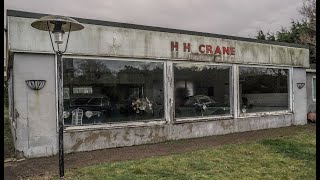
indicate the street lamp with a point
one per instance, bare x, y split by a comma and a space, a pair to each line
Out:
58, 25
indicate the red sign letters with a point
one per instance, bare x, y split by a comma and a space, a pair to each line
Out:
204, 49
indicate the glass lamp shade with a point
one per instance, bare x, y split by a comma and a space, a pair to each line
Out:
58, 37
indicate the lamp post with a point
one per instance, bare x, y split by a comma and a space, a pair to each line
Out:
58, 25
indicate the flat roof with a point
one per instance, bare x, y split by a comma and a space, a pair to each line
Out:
24, 14
311, 70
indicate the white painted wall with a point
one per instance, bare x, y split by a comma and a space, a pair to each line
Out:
100, 40
36, 124
299, 97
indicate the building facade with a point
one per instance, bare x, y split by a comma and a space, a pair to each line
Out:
127, 84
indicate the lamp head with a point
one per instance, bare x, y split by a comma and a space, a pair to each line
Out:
57, 25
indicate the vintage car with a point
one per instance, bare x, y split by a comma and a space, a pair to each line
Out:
201, 105
86, 110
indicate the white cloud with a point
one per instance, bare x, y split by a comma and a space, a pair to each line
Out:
230, 17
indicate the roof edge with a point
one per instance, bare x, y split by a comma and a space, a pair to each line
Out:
24, 14
311, 70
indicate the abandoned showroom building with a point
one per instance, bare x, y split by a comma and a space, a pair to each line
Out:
126, 84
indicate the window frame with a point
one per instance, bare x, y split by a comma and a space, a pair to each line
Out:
112, 125
313, 90
168, 90
290, 92
211, 117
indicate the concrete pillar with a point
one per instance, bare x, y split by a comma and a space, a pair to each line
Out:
299, 97
36, 125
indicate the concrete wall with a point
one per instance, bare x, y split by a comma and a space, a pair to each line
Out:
10, 106
299, 96
86, 140
98, 40
310, 103
36, 129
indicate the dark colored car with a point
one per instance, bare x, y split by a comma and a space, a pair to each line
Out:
86, 110
201, 105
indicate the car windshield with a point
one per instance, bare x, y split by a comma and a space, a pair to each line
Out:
86, 101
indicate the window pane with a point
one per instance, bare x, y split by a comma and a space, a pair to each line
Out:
314, 88
263, 89
201, 90
103, 91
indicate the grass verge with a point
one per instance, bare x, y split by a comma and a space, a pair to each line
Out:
281, 158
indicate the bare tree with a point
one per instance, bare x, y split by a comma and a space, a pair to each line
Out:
308, 11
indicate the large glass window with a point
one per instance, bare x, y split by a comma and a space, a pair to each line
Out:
263, 89
201, 90
103, 91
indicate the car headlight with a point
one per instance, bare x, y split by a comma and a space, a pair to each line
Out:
66, 114
89, 114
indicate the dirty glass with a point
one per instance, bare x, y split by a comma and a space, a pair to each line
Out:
110, 91
201, 90
263, 89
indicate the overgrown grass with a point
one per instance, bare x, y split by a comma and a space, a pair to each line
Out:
282, 158
8, 142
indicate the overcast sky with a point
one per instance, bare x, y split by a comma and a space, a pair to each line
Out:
230, 17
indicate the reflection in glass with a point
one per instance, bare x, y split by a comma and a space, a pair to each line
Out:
201, 90
103, 91
263, 89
